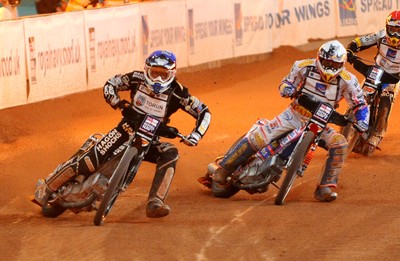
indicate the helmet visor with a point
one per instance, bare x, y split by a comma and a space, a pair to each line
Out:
393, 30
159, 73
330, 65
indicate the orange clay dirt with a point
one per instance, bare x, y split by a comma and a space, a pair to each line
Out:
362, 224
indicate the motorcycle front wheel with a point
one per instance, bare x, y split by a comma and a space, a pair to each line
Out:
298, 157
114, 187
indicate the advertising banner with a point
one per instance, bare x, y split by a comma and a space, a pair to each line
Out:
210, 31
363, 16
296, 22
56, 59
164, 27
252, 33
12, 64
112, 43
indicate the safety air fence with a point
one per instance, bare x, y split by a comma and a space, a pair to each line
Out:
48, 56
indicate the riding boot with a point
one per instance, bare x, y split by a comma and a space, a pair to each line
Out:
163, 177
239, 153
331, 171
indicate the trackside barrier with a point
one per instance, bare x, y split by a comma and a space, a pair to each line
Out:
48, 56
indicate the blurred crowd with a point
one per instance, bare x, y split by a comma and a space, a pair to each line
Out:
9, 8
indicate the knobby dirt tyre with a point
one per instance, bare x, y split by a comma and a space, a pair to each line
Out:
298, 158
113, 188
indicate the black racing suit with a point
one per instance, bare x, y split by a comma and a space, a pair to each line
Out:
143, 101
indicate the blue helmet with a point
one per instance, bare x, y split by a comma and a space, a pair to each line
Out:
160, 70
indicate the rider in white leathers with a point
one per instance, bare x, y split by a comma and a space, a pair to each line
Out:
324, 78
388, 57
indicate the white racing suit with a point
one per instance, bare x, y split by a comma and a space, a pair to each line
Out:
164, 154
388, 57
305, 77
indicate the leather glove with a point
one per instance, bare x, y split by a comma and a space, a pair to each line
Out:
287, 90
361, 126
127, 111
362, 118
351, 56
192, 139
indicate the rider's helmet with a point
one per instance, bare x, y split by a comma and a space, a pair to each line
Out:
331, 59
160, 70
393, 29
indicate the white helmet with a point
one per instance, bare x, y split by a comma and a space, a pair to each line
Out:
331, 59
160, 70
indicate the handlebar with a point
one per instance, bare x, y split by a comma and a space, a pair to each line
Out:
366, 70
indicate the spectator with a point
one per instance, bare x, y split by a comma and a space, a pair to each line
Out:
74, 5
50, 6
9, 10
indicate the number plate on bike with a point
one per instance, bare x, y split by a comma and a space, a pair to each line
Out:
148, 127
323, 113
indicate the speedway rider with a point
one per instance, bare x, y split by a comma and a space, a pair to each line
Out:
154, 91
388, 57
324, 78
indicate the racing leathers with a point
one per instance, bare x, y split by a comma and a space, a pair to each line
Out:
304, 77
164, 154
388, 57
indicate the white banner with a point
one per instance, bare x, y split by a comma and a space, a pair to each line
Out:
164, 27
113, 41
295, 22
363, 17
252, 33
12, 64
210, 30
56, 59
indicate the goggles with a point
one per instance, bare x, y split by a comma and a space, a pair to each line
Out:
330, 65
159, 72
393, 30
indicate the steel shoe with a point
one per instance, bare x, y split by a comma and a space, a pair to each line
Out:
220, 176
325, 194
41, 193
156, 208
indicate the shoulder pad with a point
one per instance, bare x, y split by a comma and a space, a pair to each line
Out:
345, 75
305, 63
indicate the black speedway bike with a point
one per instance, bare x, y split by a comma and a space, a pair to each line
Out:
100, 191
291, 153
379, 105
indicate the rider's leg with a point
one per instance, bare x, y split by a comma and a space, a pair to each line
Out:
385, 107
337, 148
260, 135
167, 155
83, 164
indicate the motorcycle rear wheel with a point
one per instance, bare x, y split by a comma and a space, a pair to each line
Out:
114, 187
225, 191
291, 173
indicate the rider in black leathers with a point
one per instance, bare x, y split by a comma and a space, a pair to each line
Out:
153, 91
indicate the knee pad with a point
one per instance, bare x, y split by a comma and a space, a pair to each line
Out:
257, 137
62, 174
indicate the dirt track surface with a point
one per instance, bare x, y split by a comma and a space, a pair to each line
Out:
362, 224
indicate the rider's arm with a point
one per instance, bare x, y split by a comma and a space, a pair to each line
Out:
363, 42
354, 97
197, 109
295, 78
120, 82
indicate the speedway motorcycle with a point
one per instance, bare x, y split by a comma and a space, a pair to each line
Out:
100, 191
375, 78
291, 153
